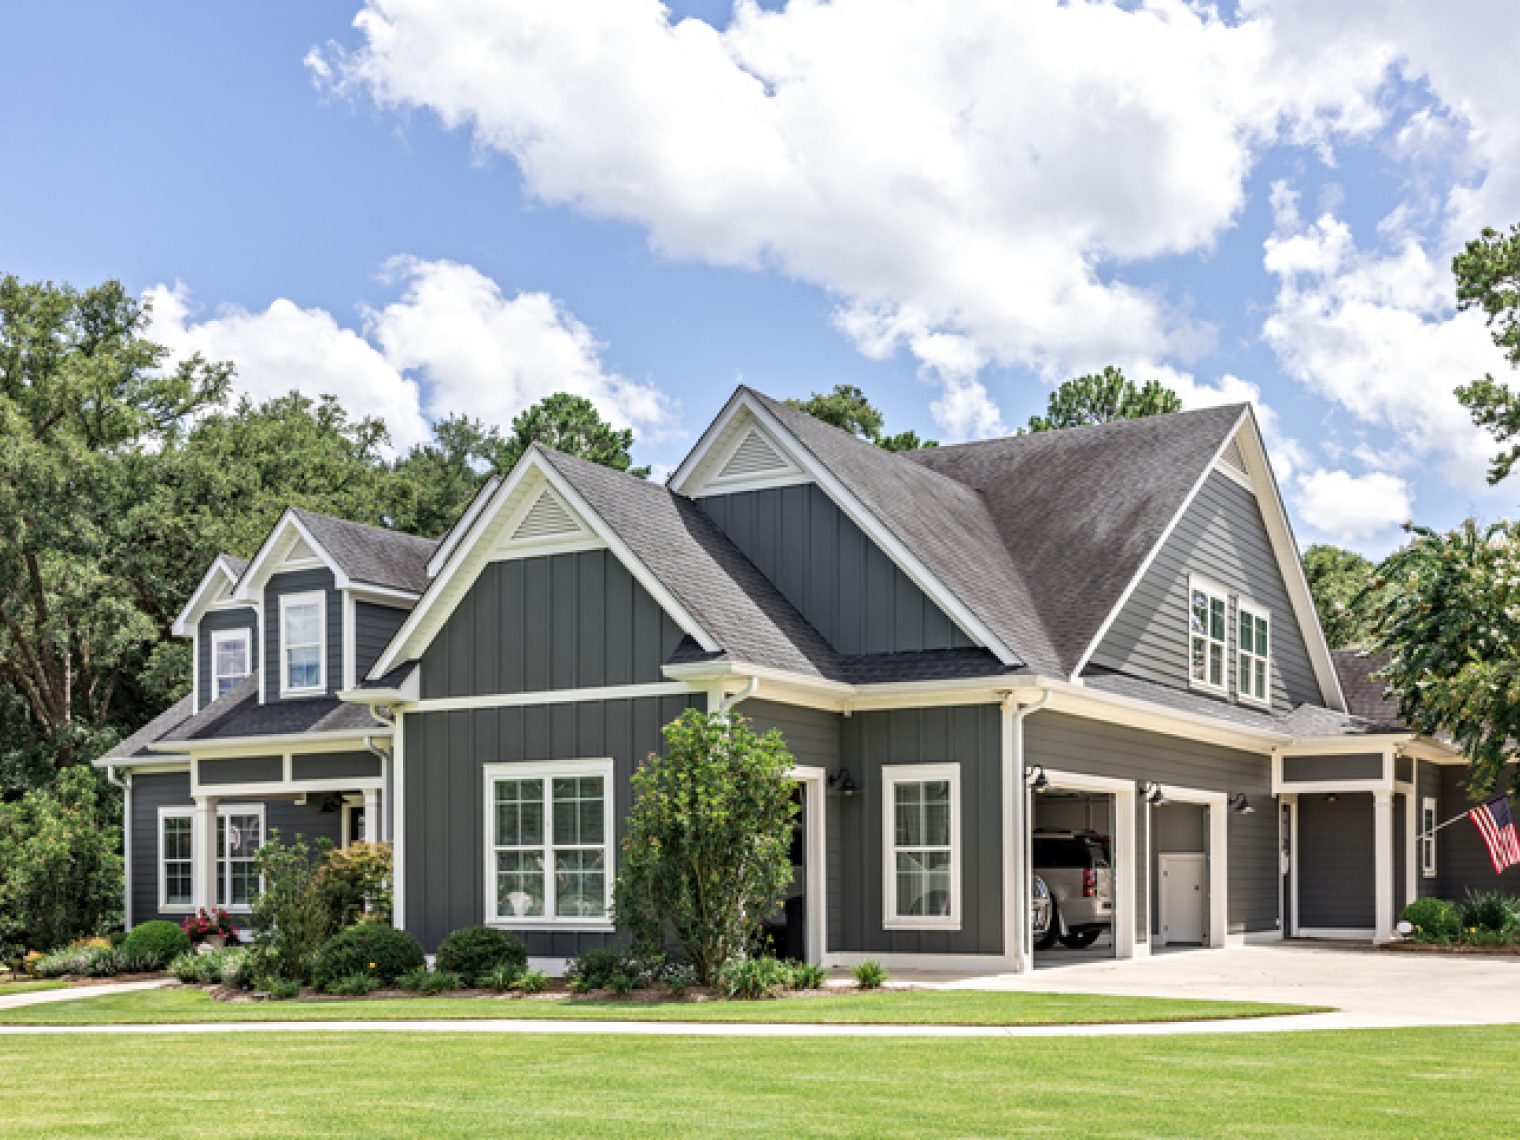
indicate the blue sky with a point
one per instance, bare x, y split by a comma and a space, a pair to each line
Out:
457, 207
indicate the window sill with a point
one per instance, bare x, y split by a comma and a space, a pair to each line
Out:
187, 908
298, 694
947, 924
1209, 690
1253, 702
540, 922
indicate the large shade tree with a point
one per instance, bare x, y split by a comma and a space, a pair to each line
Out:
1345, 597
846, 407
1103, 397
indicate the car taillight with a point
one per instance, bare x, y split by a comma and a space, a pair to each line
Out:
1089, 883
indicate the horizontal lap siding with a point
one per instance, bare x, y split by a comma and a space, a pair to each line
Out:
445, 840
839, 580
301, 582
967, 735
563, 621
1335, 861
1068, 743
218, 621
1462, 861
1221, 537
374, 626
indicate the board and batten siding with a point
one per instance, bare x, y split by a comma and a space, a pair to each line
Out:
374, 626
443, 832
1075, 744
839, 580
1336, 870
968, 735
301, 582
218, 621
1223, 538
560, 621
152, 790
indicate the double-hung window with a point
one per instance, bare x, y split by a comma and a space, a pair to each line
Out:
1253, 660
1208, 626
303, 643
231, 659
549, 843
1427, 837
239, 833
921, 859
176, 852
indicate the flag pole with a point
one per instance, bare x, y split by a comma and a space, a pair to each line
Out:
1448, 823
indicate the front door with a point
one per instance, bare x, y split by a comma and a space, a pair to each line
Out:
1182, 895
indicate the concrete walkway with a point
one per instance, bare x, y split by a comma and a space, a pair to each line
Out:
74, 993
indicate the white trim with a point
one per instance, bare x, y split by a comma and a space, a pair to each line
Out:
1155, 552
1217, 805
1346, 933
548, 771
199, 600
815, 802
1212, 592
270, 558
383, 595
398, 825
554, 696
1233, 473
1295, 873
1382, 864
218, 638
317, 598
195, 668
223, 810
282, 788
166, 812
350, 634
965, 963
1244, 607
335, 741
1429, 868
891, 776
1163, 860
1122, 931
126, 851
462, 525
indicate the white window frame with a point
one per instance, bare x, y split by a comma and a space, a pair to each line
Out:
288, 601
1428, 842
224, 873
1213, 592
220, 637
164, 906
892, 775
1245, 662
548, 771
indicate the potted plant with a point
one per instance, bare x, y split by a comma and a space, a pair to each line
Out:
214, 928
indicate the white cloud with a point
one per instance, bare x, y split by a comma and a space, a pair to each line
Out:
980, 171
452, 342
1346, 508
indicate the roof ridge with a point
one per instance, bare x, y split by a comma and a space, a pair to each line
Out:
390, 532
1056, 433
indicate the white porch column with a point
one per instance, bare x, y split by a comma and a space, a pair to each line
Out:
203, 837
371, 815
1382, 838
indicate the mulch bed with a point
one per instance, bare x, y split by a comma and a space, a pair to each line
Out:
555, 992
1510, 951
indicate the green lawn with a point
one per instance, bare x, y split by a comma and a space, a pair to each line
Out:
901, 1007
1450, 1082
9, 988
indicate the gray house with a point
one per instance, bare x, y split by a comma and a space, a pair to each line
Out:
1098, 630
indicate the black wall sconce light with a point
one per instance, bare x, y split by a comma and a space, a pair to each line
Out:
1035, 779
1153, 793
843, 783
1240, 805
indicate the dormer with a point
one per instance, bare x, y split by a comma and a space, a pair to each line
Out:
330, 595
222, 630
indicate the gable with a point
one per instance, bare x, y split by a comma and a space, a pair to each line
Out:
301, 582
740, 454
570, 620
1222, 537
837, 578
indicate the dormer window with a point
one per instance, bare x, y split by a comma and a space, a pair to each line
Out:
1254, 665
231, 659
303, 644
1208, 626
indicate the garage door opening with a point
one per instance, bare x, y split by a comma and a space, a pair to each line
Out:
1072, 858
1179, 875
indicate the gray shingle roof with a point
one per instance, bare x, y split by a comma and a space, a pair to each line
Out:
234, 563
1364, 693
943, 520
155, 730
371, 554
1079, 510
238, 713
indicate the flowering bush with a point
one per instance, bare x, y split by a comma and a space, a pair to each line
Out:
202, 925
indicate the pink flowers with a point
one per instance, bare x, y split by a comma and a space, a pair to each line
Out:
203, 925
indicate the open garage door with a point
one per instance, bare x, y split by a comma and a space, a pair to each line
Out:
1072, 856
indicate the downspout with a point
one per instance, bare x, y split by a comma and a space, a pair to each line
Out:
1017, 918
727, 704
125, 784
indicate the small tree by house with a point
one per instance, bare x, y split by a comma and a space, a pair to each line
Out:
707, 853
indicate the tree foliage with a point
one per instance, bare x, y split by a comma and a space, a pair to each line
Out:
1102, 397
1451, 619
707, 853
847, 408
570, 424
1488, 280
1342, 583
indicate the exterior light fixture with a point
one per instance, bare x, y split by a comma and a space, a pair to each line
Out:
1035, 779
1240, 805
1153, 793
843, 783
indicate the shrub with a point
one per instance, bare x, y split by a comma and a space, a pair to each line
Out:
291, 920
159, 938
870, 974
502, 976
808, 976
236, 968
1488, 911
61, 962
425, 981
752, 978
707, 853
476, 951
353, 985
607, 968
117, 937
205, 924
227, 967
1434, 920
353, 884
678, 978
60, 862
281, 989
533, 982
380, 952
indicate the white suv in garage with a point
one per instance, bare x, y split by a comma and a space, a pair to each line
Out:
1079, 875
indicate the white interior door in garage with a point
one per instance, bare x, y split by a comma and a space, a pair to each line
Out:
1184, 883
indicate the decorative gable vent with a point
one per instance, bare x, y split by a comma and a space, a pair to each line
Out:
301, 552
1232, 457
547, 518
754, 456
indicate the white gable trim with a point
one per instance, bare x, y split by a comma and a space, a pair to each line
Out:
271, 556
462, 526
690, 479
507, 506
201, 598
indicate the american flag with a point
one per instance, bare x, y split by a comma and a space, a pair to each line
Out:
1497, 827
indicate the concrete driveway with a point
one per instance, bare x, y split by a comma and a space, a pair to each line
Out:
1404, 987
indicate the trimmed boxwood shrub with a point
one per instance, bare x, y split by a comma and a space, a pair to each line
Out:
474, 952
380, 952
1434, 920
161, 940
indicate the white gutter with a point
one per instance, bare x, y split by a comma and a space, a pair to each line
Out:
1018, 935
726, 705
